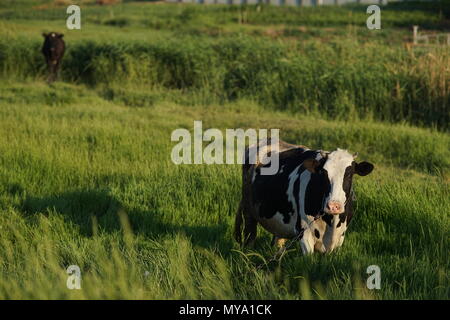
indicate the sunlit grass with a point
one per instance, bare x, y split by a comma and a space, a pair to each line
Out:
86, 176
74, 173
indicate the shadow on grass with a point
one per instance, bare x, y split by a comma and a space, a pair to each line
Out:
84, 207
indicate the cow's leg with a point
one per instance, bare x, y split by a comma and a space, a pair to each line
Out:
250, 222
51, 72
49, 69
319, 247
341, 240
55, 70
307, 242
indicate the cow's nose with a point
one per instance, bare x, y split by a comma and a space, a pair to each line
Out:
334, 207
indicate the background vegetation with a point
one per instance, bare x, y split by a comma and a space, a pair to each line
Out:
85, 170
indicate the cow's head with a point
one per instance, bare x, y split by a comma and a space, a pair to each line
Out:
335, 172
52, 36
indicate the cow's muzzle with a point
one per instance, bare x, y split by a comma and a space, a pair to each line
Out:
334, 207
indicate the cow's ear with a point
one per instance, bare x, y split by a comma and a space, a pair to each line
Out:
44, 34
363, 168
60, 35
311, 165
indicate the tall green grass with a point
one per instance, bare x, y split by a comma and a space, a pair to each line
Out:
343, 71
85, 170
339, 80
90, 182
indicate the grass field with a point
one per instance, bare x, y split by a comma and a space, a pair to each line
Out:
86, 176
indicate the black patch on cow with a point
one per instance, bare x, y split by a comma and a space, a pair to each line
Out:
317, 233
339, 224
269, 192
318, 187
314, 194
328, 219
347, 187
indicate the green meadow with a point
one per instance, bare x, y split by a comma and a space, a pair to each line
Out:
86, 176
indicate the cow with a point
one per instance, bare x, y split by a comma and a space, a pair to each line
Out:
309, 198
53, 50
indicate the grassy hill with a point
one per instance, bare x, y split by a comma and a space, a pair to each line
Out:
86, 176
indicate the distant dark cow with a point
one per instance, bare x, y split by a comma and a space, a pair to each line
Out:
53, 50
310, 197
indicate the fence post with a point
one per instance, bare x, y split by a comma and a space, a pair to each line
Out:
415, 28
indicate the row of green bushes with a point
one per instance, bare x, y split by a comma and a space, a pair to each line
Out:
339, 80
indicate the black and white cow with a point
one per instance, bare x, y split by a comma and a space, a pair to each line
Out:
310, 196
